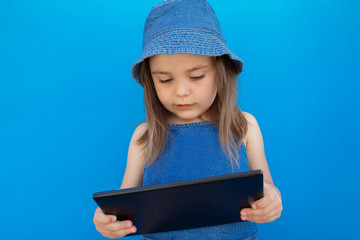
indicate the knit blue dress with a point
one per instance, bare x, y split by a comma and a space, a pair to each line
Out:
193, 151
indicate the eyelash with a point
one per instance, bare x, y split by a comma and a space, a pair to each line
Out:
198, 77
194, 78
166, 80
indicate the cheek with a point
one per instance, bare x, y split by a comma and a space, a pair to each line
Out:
214, 94
162, 96
212, 86
212, 90
208, 95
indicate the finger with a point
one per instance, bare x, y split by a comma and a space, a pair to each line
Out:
102, 218
263, 211
257, 207
246, 214
117, 226
264, 215
265, 201
126, 231
245, 211
120, 233
265, 219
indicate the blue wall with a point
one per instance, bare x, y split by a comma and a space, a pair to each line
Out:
67, 103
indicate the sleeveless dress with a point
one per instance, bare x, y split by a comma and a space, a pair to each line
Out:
193, 151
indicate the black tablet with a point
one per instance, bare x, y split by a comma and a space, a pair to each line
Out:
184, 204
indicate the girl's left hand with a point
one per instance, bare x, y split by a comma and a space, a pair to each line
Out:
266, 209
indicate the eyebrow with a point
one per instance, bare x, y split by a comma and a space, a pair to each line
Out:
188, 71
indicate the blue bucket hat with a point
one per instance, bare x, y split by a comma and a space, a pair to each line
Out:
182, 26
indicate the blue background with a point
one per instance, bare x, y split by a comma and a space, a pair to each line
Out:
67, 103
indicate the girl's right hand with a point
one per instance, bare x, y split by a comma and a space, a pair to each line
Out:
109, 227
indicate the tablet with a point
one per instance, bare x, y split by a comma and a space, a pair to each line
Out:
184, 204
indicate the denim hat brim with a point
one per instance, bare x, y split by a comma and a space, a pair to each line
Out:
184, 41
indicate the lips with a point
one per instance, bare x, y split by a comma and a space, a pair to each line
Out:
184, 106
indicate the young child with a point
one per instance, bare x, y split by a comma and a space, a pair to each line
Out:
193, 127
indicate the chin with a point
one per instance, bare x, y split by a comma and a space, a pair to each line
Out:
187, 120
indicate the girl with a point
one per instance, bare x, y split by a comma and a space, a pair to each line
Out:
193, 127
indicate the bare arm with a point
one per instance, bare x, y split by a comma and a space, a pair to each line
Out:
108, 225
255, 148
268, 208
136, 156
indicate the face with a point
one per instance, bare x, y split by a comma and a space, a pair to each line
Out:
185, 85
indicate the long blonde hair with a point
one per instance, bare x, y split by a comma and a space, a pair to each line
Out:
224, 112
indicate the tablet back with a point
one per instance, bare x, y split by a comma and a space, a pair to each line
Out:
185, 204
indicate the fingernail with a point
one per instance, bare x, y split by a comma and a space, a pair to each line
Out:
243, 214
113, 219
128, 224
133, 229
254, 206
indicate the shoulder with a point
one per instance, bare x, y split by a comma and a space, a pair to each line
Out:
255, 147
253, 129
135, 160
139, 131
137, 145
249, 118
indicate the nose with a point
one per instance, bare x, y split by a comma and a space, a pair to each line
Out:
182, 89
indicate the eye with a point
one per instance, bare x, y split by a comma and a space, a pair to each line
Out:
165, 80
198, 77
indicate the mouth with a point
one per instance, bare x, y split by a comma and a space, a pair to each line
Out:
184, 106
